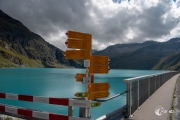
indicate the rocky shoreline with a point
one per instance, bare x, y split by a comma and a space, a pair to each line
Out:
6, 117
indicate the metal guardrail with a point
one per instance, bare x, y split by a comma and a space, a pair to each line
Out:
139, 89
30, 114
34, 114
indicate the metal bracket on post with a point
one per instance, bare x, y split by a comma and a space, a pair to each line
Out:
86, 63
86, 80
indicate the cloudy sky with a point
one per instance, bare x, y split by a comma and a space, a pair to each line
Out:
109, 21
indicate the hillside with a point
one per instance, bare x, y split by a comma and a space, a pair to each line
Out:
19, 47
170, 63
148, 56
117, 49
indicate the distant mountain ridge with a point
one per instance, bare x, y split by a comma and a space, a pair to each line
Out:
116, 49
171, 62
19, 47
147, 55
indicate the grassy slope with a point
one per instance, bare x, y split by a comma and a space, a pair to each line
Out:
170, 63
6, 63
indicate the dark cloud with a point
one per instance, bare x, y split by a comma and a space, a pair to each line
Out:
108, 22
44, 15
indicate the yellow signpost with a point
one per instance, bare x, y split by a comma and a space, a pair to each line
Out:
95, 87
98, 69
77, 54
95, 95
79, 44
94, 65
79, 35
99, 60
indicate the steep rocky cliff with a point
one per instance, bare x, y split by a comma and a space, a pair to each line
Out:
19, 47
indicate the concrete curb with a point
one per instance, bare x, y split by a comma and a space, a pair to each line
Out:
176, 115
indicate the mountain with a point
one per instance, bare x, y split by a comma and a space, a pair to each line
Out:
171, 62
146, 56
93, 51
174, 40
114, 50
19, 47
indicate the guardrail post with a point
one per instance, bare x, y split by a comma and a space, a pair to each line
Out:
82, 112
88, 112
160, 80
138, 94
155, 83
70, 110
163, 78
149, 87
129, 99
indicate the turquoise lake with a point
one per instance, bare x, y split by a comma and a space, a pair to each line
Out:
57, 82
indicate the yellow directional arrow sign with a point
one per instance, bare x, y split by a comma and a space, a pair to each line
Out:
79, 35
79, 77
77, 54
95, 87
99, 60
95, 95
99, 69
79, 44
